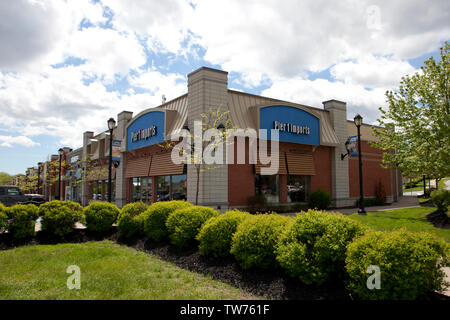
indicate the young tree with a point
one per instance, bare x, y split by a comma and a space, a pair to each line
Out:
210, 120
417, 139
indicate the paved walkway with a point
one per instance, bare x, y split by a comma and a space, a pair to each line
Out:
403, 202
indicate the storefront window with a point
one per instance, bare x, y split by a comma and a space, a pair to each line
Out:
179, 187
146, 190
163, 188
297, 188
141, 189
269, 187
96, 188
171, 187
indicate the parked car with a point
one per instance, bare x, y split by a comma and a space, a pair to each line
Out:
11, 195
36, 198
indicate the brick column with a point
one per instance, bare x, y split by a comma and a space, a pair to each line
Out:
339, 168
120, 133
207, 88
84, 183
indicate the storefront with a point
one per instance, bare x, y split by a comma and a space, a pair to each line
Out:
311, 142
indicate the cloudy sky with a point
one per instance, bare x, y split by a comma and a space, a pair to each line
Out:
68, 66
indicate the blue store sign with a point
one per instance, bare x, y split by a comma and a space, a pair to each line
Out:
146, 130
294, 124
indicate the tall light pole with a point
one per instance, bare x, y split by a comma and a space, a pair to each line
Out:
111, 125
39, 176
358, 122
61, 152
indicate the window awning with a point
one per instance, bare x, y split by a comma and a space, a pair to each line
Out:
301, 164
162, 165
138, 167
281, 164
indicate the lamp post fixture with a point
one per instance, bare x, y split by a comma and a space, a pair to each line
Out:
358, 122
111, 125
61, 152
39, 177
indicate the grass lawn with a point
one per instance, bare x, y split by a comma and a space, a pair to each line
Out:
108, 271
413, 219
441, 185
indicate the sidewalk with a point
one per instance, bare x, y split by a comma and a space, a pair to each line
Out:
405, 201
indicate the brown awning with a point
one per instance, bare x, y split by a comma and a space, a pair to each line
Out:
281, 164
100, 173
138, 167
162, 165
300, 163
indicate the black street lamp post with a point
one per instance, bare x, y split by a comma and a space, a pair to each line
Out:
60, 151
39, 177
111, 125
358, 122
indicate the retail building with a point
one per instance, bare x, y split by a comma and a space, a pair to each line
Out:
311, 142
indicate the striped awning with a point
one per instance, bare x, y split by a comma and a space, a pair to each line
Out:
138, 167
162, 165
301, 164
281, 164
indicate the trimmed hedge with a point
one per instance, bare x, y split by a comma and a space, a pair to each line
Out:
23, 220
216, 234
410, 264
156, 216
3, 217
441, 199
319, 199
130, 221
59, 217
313, 249
254, 242
100, 216
184, 224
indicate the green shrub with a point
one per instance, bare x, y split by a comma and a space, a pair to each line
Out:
215, 235
130, 221
254, 242
59, 217
23, 220
156, 216
133, 209
410, 264
429, 191
441, 199
100, 216
313, 248
3, 218
319, 199
183, 225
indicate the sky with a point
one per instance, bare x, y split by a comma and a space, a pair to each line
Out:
66, 67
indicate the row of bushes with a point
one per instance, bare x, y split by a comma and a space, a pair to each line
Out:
315, 247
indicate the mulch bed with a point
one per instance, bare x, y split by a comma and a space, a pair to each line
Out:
439, 219
272, 284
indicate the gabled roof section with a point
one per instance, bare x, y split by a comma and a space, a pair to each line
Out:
242, 114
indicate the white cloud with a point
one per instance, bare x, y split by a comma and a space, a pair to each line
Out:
106, 52
313, 93
58, 103
287, 38
9, 141
373, 72
37, 33
164, 23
